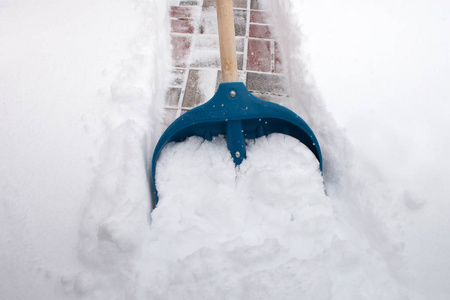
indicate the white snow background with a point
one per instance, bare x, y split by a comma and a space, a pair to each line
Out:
81, 92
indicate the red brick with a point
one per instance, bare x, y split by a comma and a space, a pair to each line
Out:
260, 31
278, 59
188, 3
173, 97
266, 83
182, 26
256, 4
259, 17
181, 47
181, 12
259, 56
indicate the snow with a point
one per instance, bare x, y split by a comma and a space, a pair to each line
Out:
383, 72
75, 78
266, 229
81, 91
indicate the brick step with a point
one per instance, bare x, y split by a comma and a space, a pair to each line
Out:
196, 59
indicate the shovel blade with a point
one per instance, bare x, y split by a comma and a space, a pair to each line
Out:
238, 115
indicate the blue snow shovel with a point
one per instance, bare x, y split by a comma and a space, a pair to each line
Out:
233, 111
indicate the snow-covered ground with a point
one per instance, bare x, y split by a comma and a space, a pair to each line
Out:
81, 92
383, 70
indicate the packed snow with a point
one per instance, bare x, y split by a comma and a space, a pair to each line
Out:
82, 85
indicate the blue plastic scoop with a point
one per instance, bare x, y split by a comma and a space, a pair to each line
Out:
233, 111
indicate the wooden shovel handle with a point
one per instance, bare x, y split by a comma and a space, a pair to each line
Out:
227, 41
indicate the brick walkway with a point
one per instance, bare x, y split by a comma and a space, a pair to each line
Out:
196, 59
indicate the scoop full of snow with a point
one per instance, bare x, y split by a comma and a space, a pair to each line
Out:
265, 229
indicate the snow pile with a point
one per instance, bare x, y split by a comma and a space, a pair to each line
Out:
390, 94
114, 224
81, 92
263, 230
